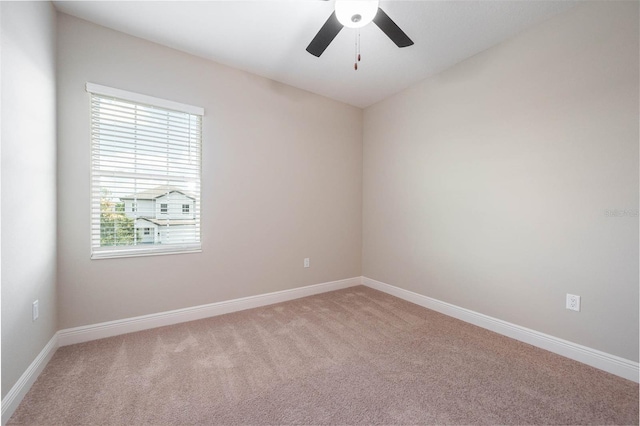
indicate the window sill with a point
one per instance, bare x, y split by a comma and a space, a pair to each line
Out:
135, 252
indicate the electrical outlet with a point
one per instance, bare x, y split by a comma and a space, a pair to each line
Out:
573, 302
35, 311
306, 262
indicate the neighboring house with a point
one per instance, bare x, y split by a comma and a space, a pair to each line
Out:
162, 215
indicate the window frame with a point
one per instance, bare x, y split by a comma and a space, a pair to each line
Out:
107, 252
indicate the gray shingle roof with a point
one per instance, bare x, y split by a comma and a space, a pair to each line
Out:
158, 191
170, 222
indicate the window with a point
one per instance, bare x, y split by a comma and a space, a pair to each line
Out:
147, 152
185, 208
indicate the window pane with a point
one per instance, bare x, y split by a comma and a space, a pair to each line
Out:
145, 176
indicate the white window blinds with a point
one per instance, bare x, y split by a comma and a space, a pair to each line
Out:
145, 174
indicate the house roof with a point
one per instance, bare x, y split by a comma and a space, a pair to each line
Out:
170, 222
158, 191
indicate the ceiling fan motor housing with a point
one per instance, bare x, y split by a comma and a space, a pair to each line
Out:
356, 13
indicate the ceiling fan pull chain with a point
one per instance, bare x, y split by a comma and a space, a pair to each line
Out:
357, 59
355, 62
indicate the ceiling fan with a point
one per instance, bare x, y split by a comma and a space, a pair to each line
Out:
356, 14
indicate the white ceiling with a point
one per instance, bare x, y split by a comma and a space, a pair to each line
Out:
269, 38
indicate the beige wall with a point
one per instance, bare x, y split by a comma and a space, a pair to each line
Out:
487, 185
281, 181
28, 183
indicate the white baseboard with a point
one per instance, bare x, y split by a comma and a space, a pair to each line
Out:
11, 401
593, 357
86, 333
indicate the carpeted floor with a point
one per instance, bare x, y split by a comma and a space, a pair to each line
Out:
354, 356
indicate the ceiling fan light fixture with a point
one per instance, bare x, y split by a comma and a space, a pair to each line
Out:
356, 13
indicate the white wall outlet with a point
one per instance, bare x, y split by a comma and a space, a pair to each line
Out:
306, 262
35, 311
573, 302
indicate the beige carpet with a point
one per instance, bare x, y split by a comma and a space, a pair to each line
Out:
354, 356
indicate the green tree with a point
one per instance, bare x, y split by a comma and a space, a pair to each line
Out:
116, 229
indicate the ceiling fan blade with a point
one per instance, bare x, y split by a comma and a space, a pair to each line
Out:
390, 28
325, 36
